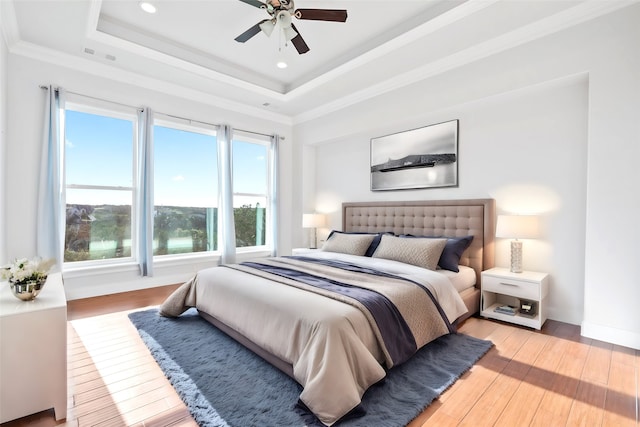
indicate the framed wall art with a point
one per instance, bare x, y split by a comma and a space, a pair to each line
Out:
419, 158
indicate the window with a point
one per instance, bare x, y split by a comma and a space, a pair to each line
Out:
102, 215
250, 189
99, 176
185, 189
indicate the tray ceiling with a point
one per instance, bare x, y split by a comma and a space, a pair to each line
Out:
189, 45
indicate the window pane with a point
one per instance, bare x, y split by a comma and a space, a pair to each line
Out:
98, 150
250, 182
98, 225
250, 165
98, 154
250, 217
185, 191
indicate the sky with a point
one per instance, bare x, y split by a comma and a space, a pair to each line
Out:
99, 151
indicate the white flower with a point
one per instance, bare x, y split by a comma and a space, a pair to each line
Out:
26, 270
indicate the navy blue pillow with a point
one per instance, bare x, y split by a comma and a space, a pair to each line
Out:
374, 243
452, 252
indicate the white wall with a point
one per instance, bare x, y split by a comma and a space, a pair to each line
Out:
23, 154
550, 126
4, 55
526, 149
612, 290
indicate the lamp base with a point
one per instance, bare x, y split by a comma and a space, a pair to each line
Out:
313, 238
516, 256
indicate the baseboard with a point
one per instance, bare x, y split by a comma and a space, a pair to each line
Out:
611, 335
76, 289
573, 317
96, 281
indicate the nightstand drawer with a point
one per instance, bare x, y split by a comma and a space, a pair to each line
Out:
516, 288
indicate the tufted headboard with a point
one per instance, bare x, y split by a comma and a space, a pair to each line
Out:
449, 218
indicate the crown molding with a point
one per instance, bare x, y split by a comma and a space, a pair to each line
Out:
110, 72
92, 33
582, 12
191, 67
578, 14
447, 13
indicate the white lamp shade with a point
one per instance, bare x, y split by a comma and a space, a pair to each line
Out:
313, 220
267, 27
518, 226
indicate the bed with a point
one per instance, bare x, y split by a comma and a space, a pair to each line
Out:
333, 337
449, 218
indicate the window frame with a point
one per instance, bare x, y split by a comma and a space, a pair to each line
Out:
264, 140
90, 105
97, 107
185, 125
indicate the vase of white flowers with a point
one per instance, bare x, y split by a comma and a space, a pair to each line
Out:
27, 276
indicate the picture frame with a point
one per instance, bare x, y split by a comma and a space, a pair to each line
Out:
426, 157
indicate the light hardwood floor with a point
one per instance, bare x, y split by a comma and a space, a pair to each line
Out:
548, 378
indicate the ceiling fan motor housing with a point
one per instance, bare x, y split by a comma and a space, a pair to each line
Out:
274, 7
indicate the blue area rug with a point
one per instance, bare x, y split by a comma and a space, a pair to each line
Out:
224, 384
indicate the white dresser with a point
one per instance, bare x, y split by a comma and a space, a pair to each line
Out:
33, 352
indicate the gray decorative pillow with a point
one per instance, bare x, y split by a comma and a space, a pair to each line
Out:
424, 253
354, 244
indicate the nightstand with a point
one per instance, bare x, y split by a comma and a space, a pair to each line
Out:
502, 287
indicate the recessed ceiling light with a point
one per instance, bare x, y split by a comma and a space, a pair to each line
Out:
281, 64
147, 7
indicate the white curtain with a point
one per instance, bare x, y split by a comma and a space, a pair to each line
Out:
226, 224
145, 192
273, 190
51, 221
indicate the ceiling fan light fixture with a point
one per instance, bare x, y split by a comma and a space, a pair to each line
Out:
281, 13
284, 18
267, 27
147, 7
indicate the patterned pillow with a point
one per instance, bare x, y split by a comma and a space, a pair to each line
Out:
424, 253
374, 243
354, 244
450, 258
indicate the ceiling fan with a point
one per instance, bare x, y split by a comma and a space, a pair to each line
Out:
281, 12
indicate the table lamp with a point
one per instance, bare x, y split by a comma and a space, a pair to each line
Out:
517, 227
313, 221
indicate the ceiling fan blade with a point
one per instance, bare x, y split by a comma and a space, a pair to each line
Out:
337, 15
250, 32
255, 3
299, 42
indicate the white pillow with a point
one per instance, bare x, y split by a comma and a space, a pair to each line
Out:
424, 253
354, 244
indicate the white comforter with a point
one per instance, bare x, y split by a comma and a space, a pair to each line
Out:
335, 351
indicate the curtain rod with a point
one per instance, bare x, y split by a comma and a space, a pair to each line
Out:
257, 133
94, 97
44, 87
187, 120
